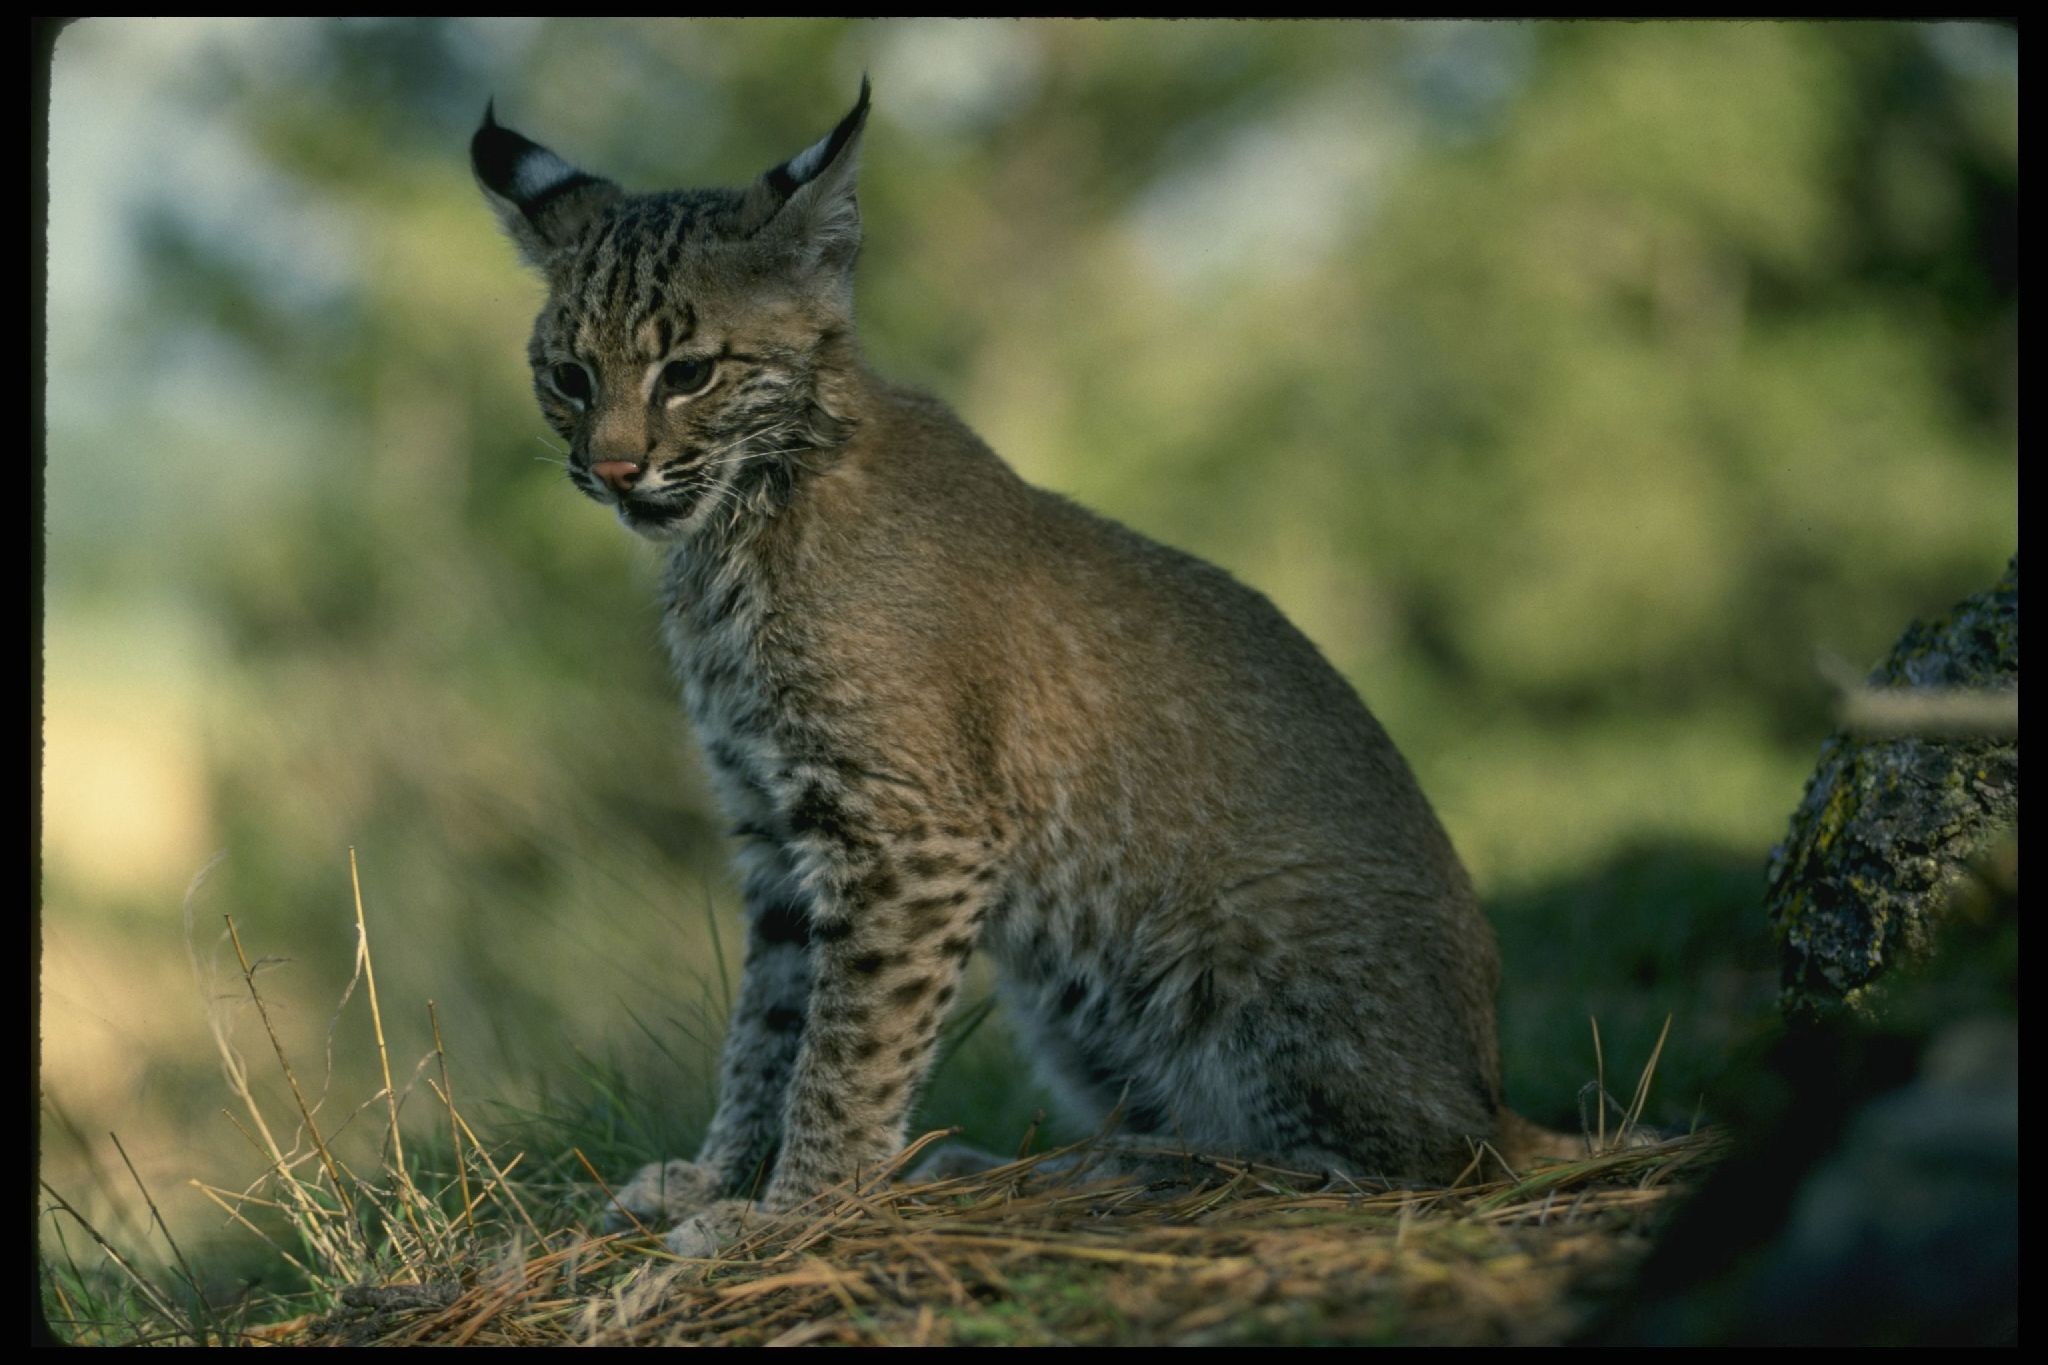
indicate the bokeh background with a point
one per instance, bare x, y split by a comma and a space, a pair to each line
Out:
1571, 385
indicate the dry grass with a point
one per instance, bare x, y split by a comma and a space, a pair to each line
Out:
1227, 1253
1010, 1257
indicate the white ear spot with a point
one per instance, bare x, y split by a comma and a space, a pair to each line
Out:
808, 162
539, 171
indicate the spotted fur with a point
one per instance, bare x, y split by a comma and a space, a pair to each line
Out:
948, 711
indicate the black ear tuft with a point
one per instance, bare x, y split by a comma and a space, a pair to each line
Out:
494, 152
519, 169
808, 204
539, 197
807, 165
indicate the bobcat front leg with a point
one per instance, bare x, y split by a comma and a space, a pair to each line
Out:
887, 954
762, 1039
755, 1064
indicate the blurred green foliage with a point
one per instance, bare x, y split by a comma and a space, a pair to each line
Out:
1569, 384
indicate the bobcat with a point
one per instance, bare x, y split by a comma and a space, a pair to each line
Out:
948, 710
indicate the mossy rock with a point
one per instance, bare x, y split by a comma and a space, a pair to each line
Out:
1888, 827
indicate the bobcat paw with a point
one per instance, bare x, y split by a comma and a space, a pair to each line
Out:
661, 1193
719, 1225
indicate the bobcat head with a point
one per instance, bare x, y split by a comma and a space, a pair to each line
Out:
695, 344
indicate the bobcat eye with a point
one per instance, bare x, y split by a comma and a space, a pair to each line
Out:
685, 377
571, 380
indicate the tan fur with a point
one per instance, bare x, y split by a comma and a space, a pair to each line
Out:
948, 710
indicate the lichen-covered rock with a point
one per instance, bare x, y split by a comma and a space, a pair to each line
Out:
1888, 826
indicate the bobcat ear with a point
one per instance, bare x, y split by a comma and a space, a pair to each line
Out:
541, 199
808, 200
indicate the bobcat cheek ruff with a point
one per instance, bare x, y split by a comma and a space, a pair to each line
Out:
945, 709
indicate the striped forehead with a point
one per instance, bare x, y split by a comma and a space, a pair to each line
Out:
651, 329
622, 289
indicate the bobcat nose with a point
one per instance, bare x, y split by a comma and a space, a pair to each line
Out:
619, 475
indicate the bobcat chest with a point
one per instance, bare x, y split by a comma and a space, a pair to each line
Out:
713, 624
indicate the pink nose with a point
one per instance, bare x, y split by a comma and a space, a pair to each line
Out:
619, 474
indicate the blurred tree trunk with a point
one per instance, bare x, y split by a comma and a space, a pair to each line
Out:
1889, 825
